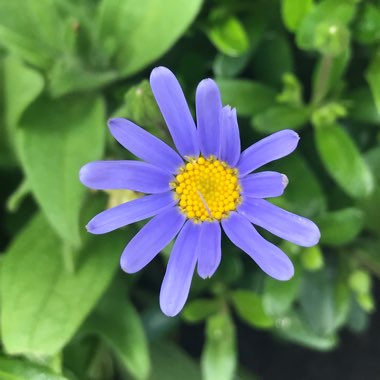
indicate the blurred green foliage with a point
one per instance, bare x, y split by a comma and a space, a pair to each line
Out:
67, 65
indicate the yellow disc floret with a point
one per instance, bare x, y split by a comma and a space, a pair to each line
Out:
207, 189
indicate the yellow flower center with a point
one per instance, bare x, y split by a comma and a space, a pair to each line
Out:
207, 189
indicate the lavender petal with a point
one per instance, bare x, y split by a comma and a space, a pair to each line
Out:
209, 249
179, 272
271, 148
230, 136
264, 184
174, 108
144, 145
131, 175
151, 240
130, 212
268, 257
208, 106
279, 222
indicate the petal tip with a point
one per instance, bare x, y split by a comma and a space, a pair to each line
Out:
284, 180
160, 71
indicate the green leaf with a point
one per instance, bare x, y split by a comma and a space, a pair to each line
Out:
280, 117
199, 309
320, 305
123, 25
292, 328
340, 227
367, 26
42, 304
250, 308
32, 29
293, 11
69, 74
218, 359
372, 76
117, 322
171, 363
363, 108
278, 296
303, 194
227, 33
371, 211
22, 85
276, 59
343, 161
328, 75
56, 139
248, 97
15, 369
312, 258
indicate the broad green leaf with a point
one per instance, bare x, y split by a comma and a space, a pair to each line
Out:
363, 108
303, 194
280, 117
16, 369
340, 227
278, 296
293, 11
322, 303
69, 74
136, 33
343, 161
200, 309
227, 33
250, 308
293, 328
56, 139
171, 363
42, 304
218, 359
248, 97
373, 78
32, 29
117, 322
22, 85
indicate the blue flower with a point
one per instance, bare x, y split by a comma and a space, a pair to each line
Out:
207, 185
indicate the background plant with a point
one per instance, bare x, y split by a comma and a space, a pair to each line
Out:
66, 66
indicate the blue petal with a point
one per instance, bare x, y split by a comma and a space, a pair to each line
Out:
131, 175
130, 212
279, 222
268, 257
209, 249
264, 185
179, 272
230, 136
151, 239
208, 106
173, 106
144, 145
271, 148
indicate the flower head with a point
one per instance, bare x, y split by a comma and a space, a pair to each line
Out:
208, 185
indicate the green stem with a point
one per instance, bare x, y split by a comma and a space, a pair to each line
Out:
322, 86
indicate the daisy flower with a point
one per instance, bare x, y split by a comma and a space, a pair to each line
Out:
193, 193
